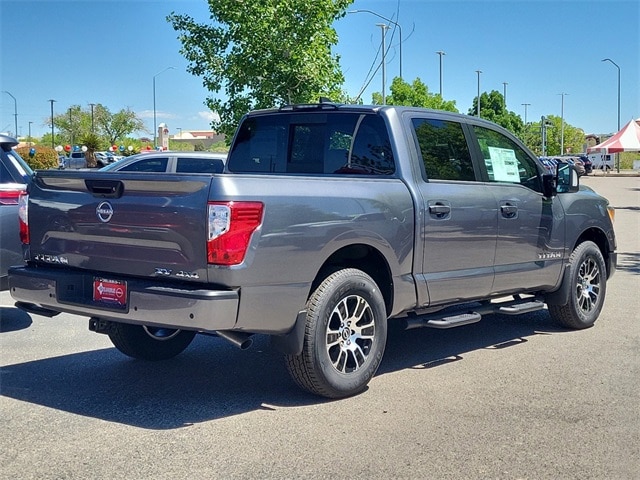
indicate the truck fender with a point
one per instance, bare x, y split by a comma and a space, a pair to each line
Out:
291, 343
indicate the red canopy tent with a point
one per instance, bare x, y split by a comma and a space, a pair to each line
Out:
626, 140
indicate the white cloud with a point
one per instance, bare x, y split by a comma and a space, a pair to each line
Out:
159, 114
209, 116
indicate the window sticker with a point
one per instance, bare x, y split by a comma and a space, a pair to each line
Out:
505, 165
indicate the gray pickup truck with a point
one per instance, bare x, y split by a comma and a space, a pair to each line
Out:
328, 222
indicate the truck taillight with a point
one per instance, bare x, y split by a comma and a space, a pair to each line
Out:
23, 217
10, 196
230, 226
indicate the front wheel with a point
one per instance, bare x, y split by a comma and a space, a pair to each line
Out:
588, 278
345, 336
149, 343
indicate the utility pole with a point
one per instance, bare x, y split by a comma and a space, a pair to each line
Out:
384, 27
52, 135
441, 53
525, 121
70, 128
15, 113
562, 124
478, 106
92, 125
504, 96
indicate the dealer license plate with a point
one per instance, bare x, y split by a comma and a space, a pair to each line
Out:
110, 291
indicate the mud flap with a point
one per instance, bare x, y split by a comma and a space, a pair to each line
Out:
291, 343
561, 295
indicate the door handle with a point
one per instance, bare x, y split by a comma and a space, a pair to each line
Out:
509, 211
440, 210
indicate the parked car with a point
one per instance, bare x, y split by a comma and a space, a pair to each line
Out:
14, 178
588, 165
581, 161
105, 158
170, 162
75, 160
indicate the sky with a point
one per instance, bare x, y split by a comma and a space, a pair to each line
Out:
549, 54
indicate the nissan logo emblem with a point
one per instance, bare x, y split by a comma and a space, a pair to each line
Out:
104, 212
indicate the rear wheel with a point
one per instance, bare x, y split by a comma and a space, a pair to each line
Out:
345, 336
588, 278
149, 343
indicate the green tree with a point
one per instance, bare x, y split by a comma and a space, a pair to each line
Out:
262, 54
492, 108
77, 123
92, 142
116, 126
415, 94
574, 140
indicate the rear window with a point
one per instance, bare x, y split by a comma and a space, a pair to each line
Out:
313, 143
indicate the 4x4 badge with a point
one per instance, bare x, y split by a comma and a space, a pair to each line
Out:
104, 212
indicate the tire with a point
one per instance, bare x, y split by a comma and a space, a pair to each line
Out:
588, 279
345, 336
149, 343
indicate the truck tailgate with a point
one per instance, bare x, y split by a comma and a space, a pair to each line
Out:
147, 225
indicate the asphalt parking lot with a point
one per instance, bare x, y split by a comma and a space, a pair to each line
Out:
507, 398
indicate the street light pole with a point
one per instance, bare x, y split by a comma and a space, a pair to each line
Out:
478, 106
384, 27
525, 121
616, 65
15, 112
562, 124
92, 125
70, 127
504, 96
386, 20
441, 53
52, 135
525, 112
155, 133
30, 133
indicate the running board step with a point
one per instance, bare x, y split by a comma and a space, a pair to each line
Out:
444, 322
518, 308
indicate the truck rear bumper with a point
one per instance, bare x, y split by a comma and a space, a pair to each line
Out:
166, 305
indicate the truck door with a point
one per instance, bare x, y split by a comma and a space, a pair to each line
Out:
459, 219
530, 243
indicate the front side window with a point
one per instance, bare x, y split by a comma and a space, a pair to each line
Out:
444, 149
505, 161
313, 143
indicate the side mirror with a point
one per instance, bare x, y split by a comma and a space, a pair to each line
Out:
566, 178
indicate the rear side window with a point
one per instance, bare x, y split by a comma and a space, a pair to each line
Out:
5, 176
505, 161
199, 165
13, 169
157, 165
444, 149
338, 143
